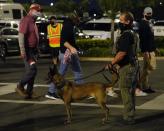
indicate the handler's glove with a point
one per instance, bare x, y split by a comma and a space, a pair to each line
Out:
108, 66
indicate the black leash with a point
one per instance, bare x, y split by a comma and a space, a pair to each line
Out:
90, 75
111, 70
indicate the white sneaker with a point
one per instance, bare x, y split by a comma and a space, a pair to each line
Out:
91, 97
139, 92
112, 93
52, 96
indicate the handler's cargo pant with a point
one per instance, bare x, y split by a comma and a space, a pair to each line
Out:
127, 83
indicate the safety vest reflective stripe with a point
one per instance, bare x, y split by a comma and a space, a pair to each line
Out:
54, 35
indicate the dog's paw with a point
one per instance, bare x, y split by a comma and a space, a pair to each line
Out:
105, 120
66, 122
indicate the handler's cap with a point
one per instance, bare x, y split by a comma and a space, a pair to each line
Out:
36, 7
52, 17
148, 10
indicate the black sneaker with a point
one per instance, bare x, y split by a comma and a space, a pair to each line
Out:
31, 96
52, 96
149, 90
129, 121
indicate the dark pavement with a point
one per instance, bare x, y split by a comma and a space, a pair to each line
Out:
42, 114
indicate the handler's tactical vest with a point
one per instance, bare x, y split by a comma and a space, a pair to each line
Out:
54, 34
133, 48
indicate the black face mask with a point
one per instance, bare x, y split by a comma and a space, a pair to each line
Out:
123, 26
52, 23
148, 17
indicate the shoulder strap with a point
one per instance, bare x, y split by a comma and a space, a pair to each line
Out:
130, 31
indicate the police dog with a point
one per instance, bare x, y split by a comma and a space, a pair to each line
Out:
70, 92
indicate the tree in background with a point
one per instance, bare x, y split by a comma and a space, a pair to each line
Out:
139, 5
64, 6
10, 1
111, 8
143, 3
94, 8
82, 7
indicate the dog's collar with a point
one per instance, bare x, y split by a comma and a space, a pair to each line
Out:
61, 85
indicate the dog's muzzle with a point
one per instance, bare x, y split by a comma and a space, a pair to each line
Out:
60, 85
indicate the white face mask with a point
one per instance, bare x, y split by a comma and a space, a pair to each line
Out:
36, 14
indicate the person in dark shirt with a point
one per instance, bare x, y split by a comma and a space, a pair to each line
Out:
125, 59
68, 50
148, 48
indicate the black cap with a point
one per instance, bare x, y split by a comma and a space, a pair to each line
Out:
52, 17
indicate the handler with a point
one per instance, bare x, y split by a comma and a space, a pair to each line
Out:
126, 59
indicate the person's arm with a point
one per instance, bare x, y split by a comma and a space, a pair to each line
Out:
119, 56
70, 47
23, 27
21, 45
66, 33
123, 49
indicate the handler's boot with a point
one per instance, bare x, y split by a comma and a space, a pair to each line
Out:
20, 90
31, 95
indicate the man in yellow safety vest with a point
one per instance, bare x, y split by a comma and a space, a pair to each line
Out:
53, 31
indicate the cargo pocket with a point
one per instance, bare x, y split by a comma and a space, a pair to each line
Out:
130, 77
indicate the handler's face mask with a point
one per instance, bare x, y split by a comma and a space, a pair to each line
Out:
148, 17
123, 26
36, 14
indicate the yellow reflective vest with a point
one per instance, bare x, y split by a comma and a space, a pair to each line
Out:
54, 35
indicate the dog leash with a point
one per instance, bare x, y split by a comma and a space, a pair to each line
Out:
90, 75
111, 70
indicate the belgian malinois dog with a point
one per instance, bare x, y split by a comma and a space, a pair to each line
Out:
70, 92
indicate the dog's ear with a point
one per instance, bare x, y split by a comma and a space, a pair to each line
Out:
50, 73
55, 69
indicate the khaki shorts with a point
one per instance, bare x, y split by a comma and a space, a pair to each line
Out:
151, 61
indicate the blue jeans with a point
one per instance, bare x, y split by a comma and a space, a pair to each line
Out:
76, 69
